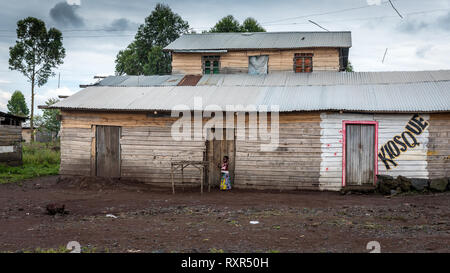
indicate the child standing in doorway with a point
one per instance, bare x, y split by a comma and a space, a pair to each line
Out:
225, 180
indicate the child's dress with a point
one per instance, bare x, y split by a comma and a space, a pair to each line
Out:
225, 180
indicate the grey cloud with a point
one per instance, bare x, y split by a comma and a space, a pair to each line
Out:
422, 51
122, 24
65, 15
444, 22
441, 22
412, 27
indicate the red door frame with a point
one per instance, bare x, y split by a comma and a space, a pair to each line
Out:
344, 126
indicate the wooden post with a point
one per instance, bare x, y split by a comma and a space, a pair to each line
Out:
171, 175
201, 179
209, 180
182, 174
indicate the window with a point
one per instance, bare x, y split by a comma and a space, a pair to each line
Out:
303, 62
258, 64
211, 65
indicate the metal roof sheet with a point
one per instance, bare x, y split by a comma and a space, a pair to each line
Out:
285, 79
157, 80
398, 97
261, 40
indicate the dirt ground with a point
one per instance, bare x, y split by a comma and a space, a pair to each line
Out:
151, 219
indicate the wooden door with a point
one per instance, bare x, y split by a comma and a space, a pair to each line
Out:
108, 151
360, 152
215, 151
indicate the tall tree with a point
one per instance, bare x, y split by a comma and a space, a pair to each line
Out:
157, 61
17, 105
349, 67
161, 27
227, 24
36, 52
50, 119
251, 25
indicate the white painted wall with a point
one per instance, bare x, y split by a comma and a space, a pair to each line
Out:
412, 163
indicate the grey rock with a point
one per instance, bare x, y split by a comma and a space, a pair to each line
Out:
419, 184
438, 184
404, 183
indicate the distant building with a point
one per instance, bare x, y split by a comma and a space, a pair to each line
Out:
11, 139
40, 136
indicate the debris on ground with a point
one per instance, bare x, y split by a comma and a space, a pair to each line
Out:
55, 208
438, 184
111, 216
389, 185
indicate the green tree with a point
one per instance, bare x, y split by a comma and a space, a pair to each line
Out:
157, 61
36, 52
230, 24
161, 27
349, 67
251, 25
50, 121
227, 24
17, 105
127, 61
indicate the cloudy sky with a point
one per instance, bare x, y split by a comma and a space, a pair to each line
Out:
95, 30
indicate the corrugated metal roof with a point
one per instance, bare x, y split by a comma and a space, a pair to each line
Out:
399, 97
285, 79
261, 40
164, 80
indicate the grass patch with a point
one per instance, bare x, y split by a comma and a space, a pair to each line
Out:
39, 159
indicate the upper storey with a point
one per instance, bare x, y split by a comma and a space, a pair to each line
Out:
260, 52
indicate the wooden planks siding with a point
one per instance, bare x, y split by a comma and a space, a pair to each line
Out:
439, 146
147, 147
76, 150
325, 59
11, 144
294, 165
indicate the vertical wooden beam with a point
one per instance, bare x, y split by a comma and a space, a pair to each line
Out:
171, 176
93, 151
201, 179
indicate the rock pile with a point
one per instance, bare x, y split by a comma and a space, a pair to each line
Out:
387, 184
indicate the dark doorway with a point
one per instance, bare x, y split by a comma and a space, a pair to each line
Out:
215, 151
108, 151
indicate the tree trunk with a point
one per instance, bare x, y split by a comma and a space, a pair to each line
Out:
32, 110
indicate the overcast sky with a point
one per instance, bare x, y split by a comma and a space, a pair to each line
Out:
95, 30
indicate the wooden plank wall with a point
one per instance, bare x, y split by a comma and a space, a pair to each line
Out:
325, 59
146, 146
439, 146
76, 150
294, 165
11, 144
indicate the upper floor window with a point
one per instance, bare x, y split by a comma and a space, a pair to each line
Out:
303, 62
211, 64
258, 64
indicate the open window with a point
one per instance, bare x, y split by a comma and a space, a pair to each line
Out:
258, 64
211, 64
303, 62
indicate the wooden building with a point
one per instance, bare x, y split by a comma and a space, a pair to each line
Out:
325, 129
11, 139
214, 53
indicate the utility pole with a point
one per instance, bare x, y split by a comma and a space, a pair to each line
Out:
59, 78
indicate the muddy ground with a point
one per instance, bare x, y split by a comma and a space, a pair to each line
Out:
153, 220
